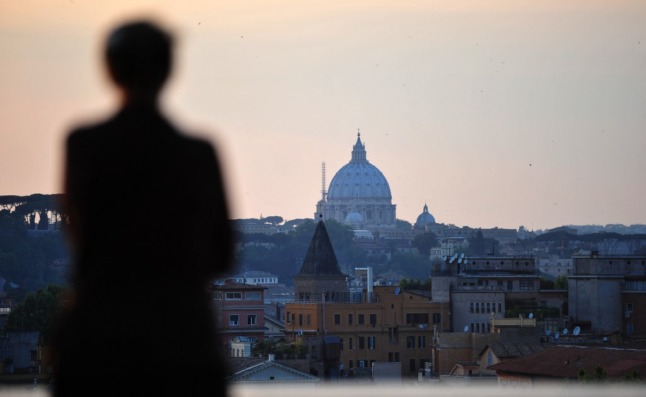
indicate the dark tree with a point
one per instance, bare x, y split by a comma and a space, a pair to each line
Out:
37, 312
402, 224
424, 242
477, 244
274, 220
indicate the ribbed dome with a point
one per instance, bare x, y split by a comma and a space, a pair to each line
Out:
359, 179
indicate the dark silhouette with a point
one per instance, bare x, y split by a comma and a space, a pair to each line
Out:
149, 230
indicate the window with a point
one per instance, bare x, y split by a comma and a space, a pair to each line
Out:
341, 344
337, 319
362, 343
350, 319
350, 347
417, 318
471, 307
351, 364
373, 319
309, 319
526, 285
410, 342
233, 319
362, 319
371, 342
393, 334
437, 318
300, 319
489, 358
252, 295
233, 296
421, 341
251, 319
499, 307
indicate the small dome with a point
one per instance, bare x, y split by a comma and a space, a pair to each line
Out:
354, 217
424, 219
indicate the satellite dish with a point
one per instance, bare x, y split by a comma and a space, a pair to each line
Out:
548, 332
397, 290
576, 330
466, 328
531, 315
556, 336
565, 331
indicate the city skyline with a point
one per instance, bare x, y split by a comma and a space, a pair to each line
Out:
493, 113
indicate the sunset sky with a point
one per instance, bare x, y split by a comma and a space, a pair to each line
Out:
494, 113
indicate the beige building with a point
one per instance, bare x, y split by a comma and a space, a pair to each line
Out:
347, 332
395, 326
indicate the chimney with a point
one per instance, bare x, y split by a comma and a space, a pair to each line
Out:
271, 357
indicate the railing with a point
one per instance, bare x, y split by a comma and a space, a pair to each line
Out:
414, 388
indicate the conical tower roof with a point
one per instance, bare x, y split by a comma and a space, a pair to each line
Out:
320, 258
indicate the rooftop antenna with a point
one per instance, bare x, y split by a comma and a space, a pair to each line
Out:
323, 192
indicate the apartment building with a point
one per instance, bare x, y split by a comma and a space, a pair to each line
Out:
239, 310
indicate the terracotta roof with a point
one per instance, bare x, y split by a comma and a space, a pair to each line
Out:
504, 350
567, 361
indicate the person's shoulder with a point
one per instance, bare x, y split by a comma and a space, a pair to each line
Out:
198, 145
88, 131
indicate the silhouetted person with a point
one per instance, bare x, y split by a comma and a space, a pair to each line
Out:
149, 230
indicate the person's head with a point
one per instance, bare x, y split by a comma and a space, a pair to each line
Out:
139, 57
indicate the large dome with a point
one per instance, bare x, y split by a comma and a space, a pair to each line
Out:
359, 194
359, 179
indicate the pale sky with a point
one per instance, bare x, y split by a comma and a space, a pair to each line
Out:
494, 113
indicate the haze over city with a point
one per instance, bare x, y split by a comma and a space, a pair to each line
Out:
493, 113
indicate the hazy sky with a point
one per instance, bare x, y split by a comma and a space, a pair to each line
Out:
494, 113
